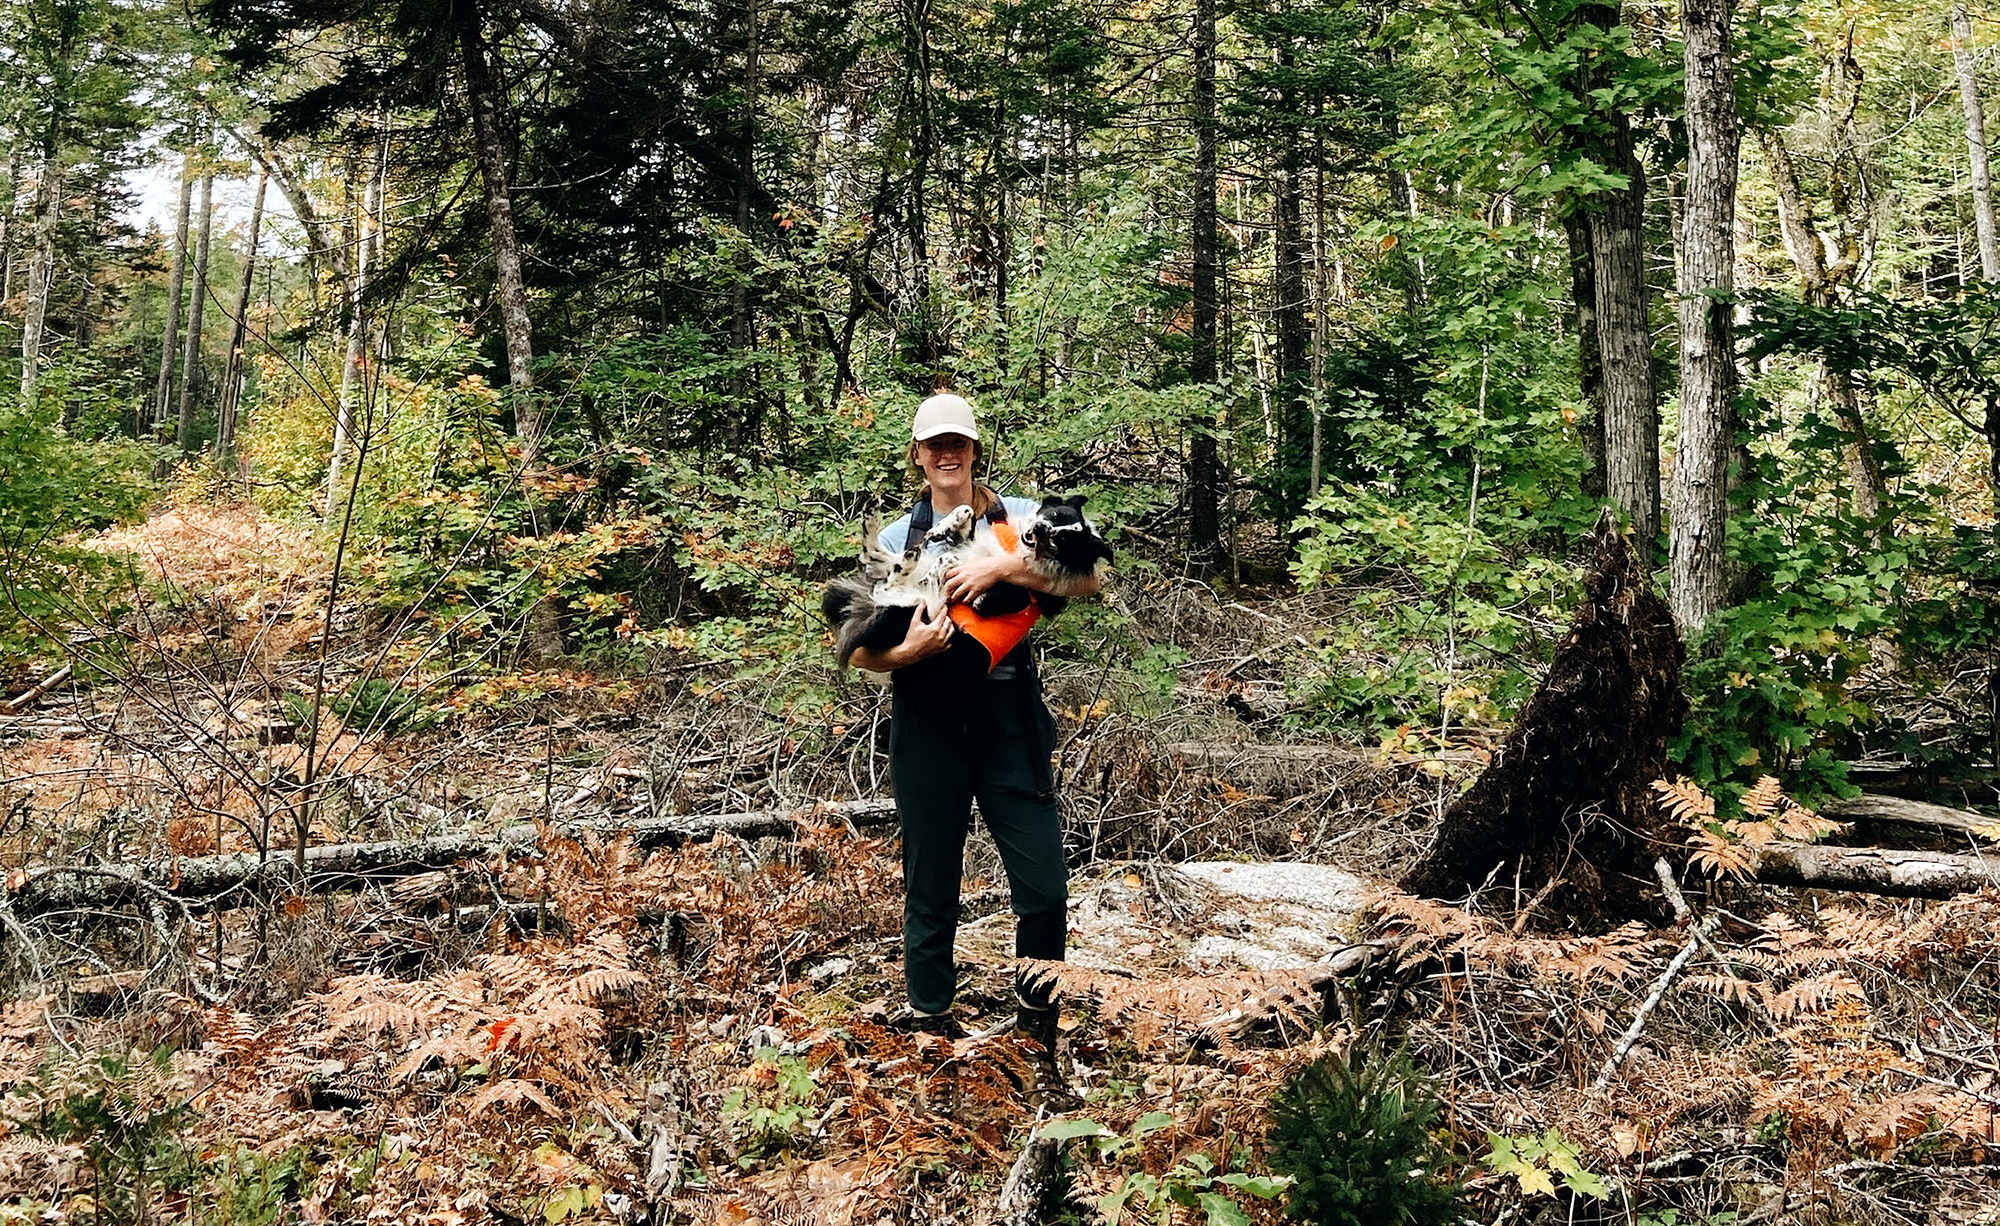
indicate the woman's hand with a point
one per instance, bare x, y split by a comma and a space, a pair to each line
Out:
971, 579
928, 634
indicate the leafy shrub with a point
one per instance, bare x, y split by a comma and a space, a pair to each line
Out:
53, 488
1354, 1134
125, 1115
1789, 680
1193, 1180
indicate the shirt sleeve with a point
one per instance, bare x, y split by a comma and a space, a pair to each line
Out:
894, 537
1020, 509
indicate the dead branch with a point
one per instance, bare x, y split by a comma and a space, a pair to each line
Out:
63, 887
1696, 939
1913, 780
1028, 1197
1871, 870
1893, 810
22, 702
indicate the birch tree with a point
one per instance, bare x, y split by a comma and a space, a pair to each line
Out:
1975, 141
170, 327
197, 311
233, 377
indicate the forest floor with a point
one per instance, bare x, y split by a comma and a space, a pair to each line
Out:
568, 1026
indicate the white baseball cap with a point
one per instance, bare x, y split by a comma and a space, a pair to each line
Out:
944, 413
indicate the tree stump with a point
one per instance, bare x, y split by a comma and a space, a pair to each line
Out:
1566, 808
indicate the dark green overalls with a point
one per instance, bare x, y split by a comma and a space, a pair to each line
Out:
959, 733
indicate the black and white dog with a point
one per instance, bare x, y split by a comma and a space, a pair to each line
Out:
872, 608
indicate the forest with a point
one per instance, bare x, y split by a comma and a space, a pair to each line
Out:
1535, 757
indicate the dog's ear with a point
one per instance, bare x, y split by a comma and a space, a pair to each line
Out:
1077, 500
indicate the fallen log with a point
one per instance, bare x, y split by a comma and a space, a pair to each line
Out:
67, 887
1874, 870
1915, 781
1894, 810
14, 706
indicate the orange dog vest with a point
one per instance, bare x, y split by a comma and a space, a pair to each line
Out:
998, 635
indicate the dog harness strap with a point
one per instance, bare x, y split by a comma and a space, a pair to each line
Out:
997, 635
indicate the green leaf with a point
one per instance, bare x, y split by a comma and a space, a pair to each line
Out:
1069, 1130
1263, 1187
1222, 1211
1535, 1181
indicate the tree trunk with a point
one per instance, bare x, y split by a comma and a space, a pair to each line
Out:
1320, 307
1625, 352
1293, 332
170, 335
1975, 140
8, 220
1902, 874
346, 422
1204, 454
61, 886
743, 425
1589, 358
1819, 285
923, 347
234, 376
41, 267
1896, 811
483, 98
1625, 341
1567, 805
1699, 567
197, 310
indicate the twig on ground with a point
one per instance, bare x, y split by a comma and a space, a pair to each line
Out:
1653, 999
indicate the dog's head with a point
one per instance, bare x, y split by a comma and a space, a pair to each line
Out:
1059, 533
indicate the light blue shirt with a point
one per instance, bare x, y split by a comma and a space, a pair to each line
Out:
894, 537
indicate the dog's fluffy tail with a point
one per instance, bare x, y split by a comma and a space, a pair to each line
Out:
849, 605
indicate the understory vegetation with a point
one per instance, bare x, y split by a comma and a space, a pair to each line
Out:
425, 791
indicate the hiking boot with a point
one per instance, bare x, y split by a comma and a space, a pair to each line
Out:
1043, 1026
915, 1021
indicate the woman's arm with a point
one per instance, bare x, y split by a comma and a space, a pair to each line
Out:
925, 637
974, 578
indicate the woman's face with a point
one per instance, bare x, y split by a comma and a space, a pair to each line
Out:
946, 459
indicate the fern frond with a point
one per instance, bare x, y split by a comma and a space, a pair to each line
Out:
1718, 855
1885, 1125
512, 1093
1763, 800
1731, 988
1815, 995
1613, 956
1796, 821
1685, 802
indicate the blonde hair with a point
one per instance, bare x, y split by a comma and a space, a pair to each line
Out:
982, 498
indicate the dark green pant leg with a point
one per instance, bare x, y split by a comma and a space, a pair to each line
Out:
1017, 800
934, 783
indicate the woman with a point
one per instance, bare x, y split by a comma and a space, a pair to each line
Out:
960, 732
